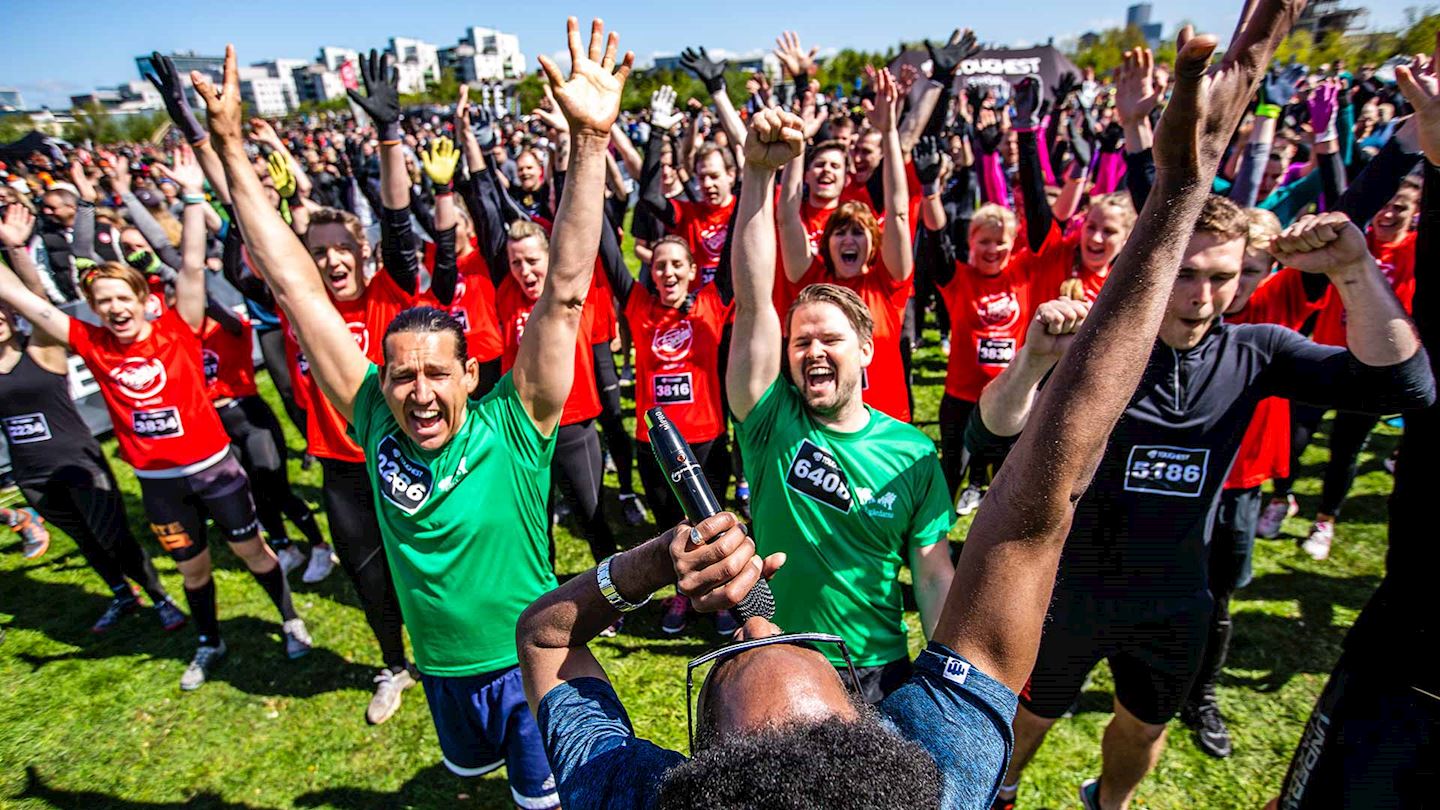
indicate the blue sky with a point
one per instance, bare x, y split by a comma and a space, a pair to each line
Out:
53, 48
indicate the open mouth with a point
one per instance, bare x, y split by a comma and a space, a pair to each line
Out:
819, 376
425, 420
1195, 323
849, 255
121, 320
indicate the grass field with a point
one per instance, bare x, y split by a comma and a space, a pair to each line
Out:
100, 722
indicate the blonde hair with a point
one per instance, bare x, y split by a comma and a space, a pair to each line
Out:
522, 229
1118, 200
335, 216
132, 278
1264, 227
991, 215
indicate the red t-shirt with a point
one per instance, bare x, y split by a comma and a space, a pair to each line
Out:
155, 391
368, 317
473, 305
883, 382
1265, 450
601, 303
704, 228
677, 361
856, 190
514, 309
227, 360
1397, 262
1057, 260
988, 319
785, 290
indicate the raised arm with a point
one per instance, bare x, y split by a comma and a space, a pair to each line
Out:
439, 162
896, 248
15, 231
997, 604
1008, 400
277, 254
32, 306
1039, 218
590, 101
795, 251
663, 116
167, 80
190, 284
775, 138
712, 73
262, 132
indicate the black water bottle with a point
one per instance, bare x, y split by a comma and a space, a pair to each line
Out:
687, 481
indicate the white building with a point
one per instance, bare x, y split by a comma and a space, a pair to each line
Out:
265, 94
131, 97
10, 99
419, 53
333, 57
484, 54
412, 77
314, 83
284, 70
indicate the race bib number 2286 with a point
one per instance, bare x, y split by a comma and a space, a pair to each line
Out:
1164, 470
403, 481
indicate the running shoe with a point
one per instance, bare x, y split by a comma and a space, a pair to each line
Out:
677, 615
969, 500
1317, 545
34, 537
725, 624
297, 639
614, 629
610, 464
1090, 794
205, 660
634, 510
171, 617
1211, 734
562, 511
119, 608
322, 562
389, 690
290, 558
1274, 516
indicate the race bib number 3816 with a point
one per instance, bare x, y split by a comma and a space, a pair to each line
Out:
1165, 470
816, 474
674, 389
403, 481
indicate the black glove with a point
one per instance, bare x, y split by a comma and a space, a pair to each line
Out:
926, 156
167, 81
1278, 87
707, 70
1067, 86
1028, 95
975, 94
1112, 137
1079, 145
945, 59
482, 123
382, 99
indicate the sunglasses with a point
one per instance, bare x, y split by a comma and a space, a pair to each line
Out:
730, 651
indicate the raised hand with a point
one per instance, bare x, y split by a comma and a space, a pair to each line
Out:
884, 112
812, 113
17, 226
1418, 83
1066, 86
549, 113
663, 116
1136, 92
120, 174
775, 137
1028, 97
281, 176
1279, 85
382, 88
1053, 328
82, 182
186, 173
710, 71
1208, 100
798, 64
1326, 243
167, 81
590, 98
926, 157
439, 161
1323, 101
262, 132
945, 59
222, 105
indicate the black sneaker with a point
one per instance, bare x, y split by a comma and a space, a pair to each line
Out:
113, 615
1211, 735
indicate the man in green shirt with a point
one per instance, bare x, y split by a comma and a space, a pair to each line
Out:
848, 493
460, 490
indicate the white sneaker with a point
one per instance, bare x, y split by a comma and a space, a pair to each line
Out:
945, 346
206, 659
1317, 545
969, 500
290, 558
389, 690
322, 562
297, 639
1274, 516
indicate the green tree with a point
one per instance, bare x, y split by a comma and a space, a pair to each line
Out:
1108, 51
92, 123
1420, 36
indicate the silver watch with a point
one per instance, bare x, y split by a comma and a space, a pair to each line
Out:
607, 589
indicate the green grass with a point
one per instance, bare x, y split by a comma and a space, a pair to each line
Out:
90, 722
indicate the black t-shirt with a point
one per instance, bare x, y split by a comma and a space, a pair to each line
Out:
43, 430
1141, 529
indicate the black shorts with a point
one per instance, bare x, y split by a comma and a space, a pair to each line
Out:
1154, 651
1372, 741
178, 507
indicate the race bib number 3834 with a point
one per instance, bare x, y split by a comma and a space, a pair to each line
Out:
160, 423
403, 481
816, 474
1165, 470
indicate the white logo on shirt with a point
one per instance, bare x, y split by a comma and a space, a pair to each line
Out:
448, 482
956, 670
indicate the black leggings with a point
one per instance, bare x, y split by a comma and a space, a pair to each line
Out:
1232, 544
1349, 432
657, 488
954, 457
84, 502
272, 351
612, 418
577, 469
256, 434
356, 532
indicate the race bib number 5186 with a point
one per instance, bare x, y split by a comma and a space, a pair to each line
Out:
816, 474
1164, 470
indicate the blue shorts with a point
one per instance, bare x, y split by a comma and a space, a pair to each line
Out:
484, 722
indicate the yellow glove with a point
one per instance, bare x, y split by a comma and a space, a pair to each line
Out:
280, 175
439, 161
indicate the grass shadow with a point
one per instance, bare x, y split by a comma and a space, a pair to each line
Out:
434, 786
36, 788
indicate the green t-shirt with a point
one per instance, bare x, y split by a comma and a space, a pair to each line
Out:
846, 508
465, 527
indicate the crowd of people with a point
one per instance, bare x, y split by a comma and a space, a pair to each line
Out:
1132, 275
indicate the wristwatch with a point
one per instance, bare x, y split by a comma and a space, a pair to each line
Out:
607, 589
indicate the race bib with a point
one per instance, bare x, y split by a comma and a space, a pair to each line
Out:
27, 428
403, 482
673, 389
1164, 470
459, 314
210, 361
816, 474
160, 423
995, 351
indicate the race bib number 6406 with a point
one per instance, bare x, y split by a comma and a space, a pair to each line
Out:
816, 474
1164, 470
